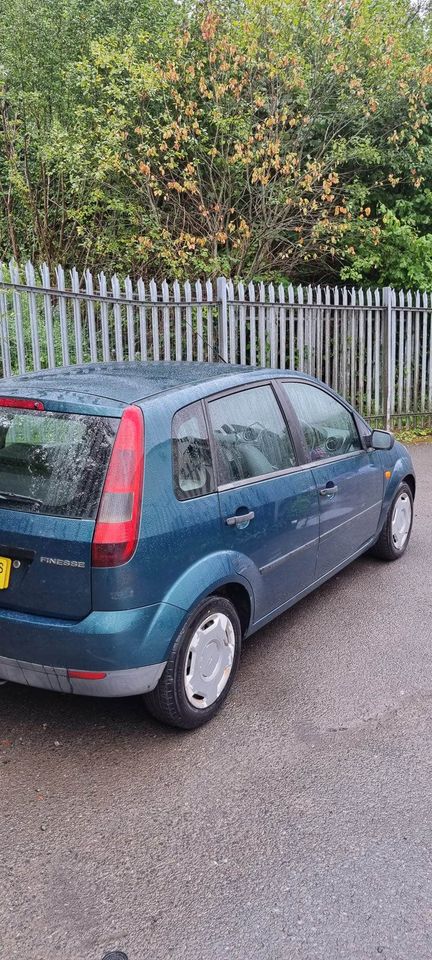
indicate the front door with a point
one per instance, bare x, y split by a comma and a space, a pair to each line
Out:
349, 482
269, 507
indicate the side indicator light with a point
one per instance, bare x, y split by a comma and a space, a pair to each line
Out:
85, 675
387, 474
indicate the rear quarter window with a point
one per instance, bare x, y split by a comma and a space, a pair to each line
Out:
55, 462
192, 462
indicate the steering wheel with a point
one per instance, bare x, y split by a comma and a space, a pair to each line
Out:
338, 445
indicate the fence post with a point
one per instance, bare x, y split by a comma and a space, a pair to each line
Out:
387, 356
4, 332
223, 318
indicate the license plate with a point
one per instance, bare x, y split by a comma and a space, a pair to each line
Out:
5, 571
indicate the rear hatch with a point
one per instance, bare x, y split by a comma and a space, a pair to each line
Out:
52, 469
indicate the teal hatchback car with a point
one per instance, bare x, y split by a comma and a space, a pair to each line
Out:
154, 515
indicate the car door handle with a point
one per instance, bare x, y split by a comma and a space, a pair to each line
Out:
329, 490
240, 518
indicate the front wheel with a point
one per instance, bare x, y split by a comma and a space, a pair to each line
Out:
201, 666
395, 534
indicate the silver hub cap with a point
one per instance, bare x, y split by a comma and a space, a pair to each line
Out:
209, 660
401, 521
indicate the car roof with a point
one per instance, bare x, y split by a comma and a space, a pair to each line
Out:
130, 381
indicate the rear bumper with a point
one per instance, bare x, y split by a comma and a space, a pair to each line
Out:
130, 646
116, 683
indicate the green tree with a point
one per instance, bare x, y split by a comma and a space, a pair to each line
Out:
290, 139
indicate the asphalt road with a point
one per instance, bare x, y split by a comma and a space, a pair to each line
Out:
297, 825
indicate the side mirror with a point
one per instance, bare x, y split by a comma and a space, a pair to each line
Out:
381, 440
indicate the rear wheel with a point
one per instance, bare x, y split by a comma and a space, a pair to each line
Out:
201, 667
395, 534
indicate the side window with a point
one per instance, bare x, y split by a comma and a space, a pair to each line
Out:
329, 428
193, 470
250, 433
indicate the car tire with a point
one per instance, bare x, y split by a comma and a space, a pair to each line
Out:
201, 666
395, 534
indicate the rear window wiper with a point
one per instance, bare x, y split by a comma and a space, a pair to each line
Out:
20, 498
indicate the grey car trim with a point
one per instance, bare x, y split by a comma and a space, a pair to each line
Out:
117, 683
303, 546
275, 563
327, 533
35, 675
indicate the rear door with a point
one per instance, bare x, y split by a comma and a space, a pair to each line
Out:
52, 467
269, 506
349, 481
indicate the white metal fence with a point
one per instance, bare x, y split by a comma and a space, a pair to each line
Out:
373, 346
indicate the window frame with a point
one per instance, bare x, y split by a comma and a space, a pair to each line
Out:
343, 403
292, 434
292, 424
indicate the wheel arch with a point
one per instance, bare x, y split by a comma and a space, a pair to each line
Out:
410, 480
217, 575
239, 597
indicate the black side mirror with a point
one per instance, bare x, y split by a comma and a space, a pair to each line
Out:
381, 440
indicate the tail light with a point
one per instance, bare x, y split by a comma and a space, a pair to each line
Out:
117, 525
20, 404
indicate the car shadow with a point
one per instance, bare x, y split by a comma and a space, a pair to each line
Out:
326, 593
30, 709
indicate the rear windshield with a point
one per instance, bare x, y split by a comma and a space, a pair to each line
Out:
53, 463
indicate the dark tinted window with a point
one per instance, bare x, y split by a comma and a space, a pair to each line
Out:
328, 427
57, 461
193, 470
250, 434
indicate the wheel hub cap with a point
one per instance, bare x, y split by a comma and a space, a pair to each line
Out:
401, 521
209, 660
